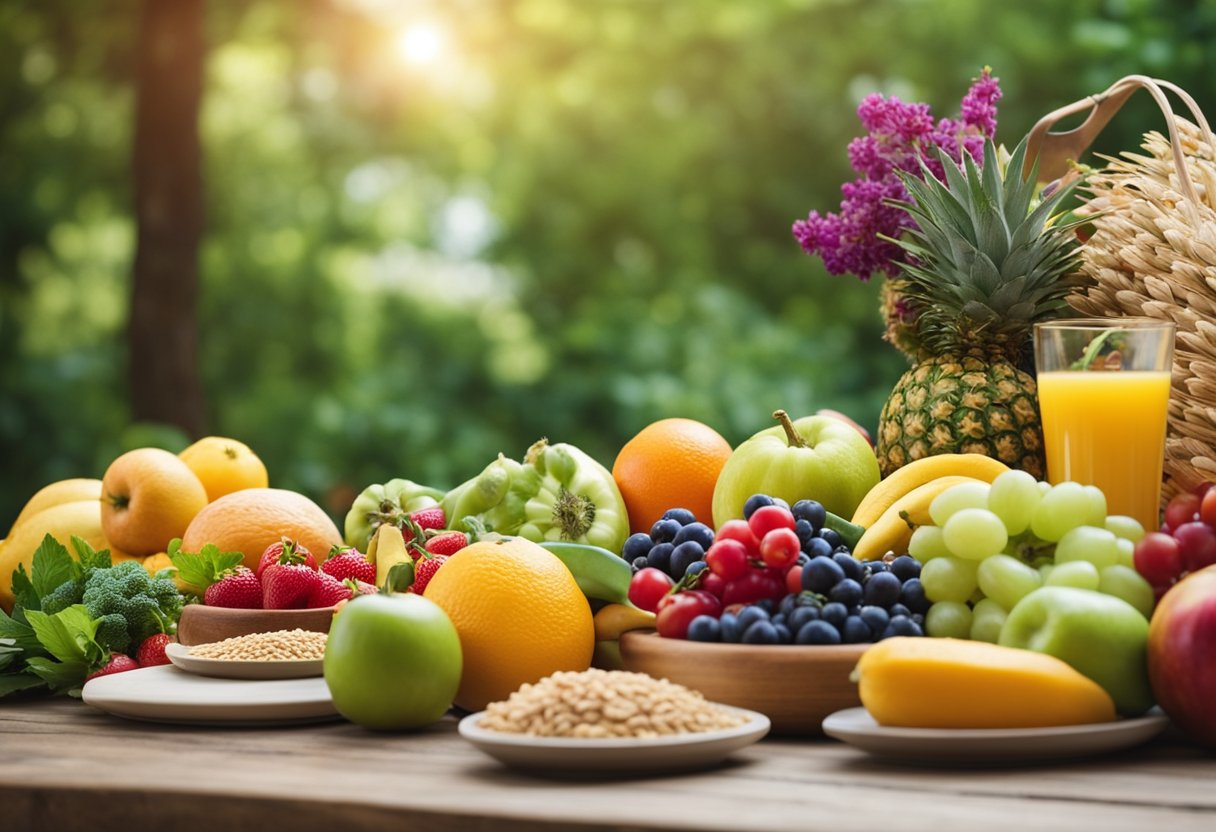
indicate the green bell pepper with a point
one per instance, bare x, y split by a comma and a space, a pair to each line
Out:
389, 502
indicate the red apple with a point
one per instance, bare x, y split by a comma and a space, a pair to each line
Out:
1181, 644
836, 414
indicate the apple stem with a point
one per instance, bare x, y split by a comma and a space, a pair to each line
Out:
791, 435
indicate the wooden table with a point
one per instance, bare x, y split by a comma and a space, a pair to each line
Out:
67, 767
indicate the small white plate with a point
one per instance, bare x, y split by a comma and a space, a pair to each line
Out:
165, 694
680, 752
990, 745
179, 655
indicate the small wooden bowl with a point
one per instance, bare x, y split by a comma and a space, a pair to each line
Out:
795, 687
201, 624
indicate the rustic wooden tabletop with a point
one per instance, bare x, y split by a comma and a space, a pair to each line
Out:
65, 766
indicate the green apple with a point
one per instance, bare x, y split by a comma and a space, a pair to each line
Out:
1102, 637
817, 457
392, 661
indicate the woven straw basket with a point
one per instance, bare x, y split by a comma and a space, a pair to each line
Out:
1153, 253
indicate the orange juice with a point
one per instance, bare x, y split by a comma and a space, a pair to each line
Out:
1108, 429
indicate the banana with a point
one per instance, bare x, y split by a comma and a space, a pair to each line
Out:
394, 563
894, 528
614, 619
598, 572
64, 491
915, 474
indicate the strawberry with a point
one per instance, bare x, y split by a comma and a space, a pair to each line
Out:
361, 587
285, 551
414, 527
349, 563
288, 586
431, 517
152, 651
426, 569
447, 543
329, 591
237, 588
118, 663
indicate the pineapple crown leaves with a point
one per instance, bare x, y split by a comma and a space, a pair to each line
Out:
985, 265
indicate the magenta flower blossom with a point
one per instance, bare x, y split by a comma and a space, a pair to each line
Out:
899, 136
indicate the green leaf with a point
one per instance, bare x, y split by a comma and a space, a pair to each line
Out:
399, 577
203, 569
61, 677
88, 558
68, 635
18, 630
52, 566
14, 682
23, 590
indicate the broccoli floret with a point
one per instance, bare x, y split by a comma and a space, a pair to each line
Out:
112, 633
62, 597
126, 592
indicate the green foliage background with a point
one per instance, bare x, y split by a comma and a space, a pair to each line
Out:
573, 223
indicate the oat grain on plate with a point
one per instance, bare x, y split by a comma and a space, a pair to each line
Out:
280, 645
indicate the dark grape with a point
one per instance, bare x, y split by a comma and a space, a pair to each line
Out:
852, 566
664, 531
730, 627
818, 548
640, 563
697, 532
778, 619
876, 619
754, 502
832, 537
805, 532
681, 515
913, 597
821, 574
750, 615
704, 628
834, 614
882, 590
800, 616
817, 632
686, 553
784, 636
899, 609
906, 567
810, 511
695, 568
637, 546
902, 625
787, 604
767, 604
875, 566
803, 559
847, 592
761, 632
855, 631
660, 557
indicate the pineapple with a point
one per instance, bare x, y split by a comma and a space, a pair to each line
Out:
984, 269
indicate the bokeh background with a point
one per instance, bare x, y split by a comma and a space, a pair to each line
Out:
434, 231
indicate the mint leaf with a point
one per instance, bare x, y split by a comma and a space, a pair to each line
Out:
68, 635
52, 566
8, 652
14, 682
88, 558
18, 630
61, 677
23, 590
203, 569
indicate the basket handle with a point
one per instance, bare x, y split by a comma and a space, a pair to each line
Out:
1054, 151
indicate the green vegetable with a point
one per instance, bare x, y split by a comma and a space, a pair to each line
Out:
598, 572
130, 605
69, 637
850, 533
200, 570
557, 493
389, 503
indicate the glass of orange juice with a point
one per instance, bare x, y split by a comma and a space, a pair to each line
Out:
1104, 389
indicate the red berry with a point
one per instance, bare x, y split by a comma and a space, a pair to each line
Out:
425, 570
288, 586
118, 663
447, 543
779, 548
740, 531
1196, 544
152, 651
756, 585
349, 563
285, 551
1183, 508
675, 616
648, 587
793, 579
1207, 507
328, 591
712, 584
767, 518
1158, 559
727, 558
237, 588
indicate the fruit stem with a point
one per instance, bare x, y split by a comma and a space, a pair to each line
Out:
791, 435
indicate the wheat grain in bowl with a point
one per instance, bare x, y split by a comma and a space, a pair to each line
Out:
603, 704
280, 645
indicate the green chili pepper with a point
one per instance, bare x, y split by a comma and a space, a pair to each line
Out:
385, 503
599, 573
488, 502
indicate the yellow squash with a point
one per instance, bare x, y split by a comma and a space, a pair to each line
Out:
952, 683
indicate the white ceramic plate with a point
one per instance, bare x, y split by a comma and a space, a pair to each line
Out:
558, 754
166, 694
856, 727
179, 655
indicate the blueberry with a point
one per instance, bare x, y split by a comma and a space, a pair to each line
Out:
780, 503
913, 596
640, 563
660, 557
898, 609
761, 632
818, 548
637, 546
784, 636
882, 590
805, 532
704, 628
817, 632
856, 631
875, 566
851, 565
779, 620
766, 604
834, 613
754, 502
832, 537
787, 604
690, 551
797, 619
730, 627
918, 620
843, 549
821, 574
876, 618
695, 568
902, 625
696, 532
681, 515
749, 616
847, 592
906, 567
664, 531
808, 599
810, 511
803, 559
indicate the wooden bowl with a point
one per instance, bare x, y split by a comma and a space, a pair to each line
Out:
201, 624
795, 687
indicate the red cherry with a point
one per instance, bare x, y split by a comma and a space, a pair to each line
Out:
779, 548
767, 518
1182, 509
740, 531
648, 587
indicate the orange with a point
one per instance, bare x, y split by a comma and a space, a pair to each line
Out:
672, 463
249, 520
519, 614
148, 497
224, 465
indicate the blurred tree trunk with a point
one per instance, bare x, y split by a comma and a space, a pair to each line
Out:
162, 333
